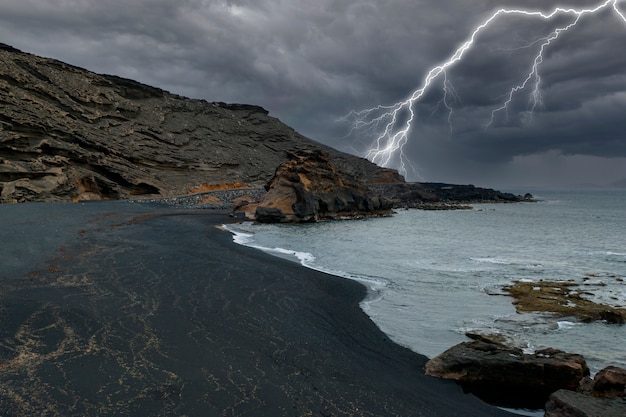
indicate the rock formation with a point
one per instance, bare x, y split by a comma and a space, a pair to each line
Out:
70, 133
505, 375
310, 188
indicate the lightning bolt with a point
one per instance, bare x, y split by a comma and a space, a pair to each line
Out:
391, 125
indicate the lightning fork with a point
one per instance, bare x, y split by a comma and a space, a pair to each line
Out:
393, 123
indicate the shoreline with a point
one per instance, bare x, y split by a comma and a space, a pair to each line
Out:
158, 312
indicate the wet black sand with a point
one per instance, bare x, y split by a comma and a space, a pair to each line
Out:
159, 313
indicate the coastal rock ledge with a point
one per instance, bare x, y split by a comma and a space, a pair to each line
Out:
309, 188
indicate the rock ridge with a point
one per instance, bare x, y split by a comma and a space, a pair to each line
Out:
68, 133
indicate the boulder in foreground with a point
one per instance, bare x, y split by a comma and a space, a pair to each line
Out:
507, 376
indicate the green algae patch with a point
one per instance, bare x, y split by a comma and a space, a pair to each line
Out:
564, 298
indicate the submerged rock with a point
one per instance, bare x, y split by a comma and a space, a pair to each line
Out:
309, 188
507, 376
564, 298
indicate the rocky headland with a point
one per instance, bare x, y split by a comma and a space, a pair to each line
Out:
68, 134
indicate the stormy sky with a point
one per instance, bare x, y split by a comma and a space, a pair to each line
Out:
311, 62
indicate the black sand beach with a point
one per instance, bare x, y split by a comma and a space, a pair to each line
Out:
156, 312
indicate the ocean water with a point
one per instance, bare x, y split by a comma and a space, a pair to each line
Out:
435, 275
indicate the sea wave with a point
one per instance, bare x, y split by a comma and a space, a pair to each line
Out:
566, 325
306, 259
615, 256
247, 239
520, 264
489, 260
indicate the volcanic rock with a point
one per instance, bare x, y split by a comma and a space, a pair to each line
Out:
310, 188
68, 133
507, 376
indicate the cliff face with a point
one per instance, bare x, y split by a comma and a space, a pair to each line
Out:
67, 133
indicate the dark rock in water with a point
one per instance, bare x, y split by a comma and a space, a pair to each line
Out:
565, 403
564, 298
310, 188
68, 133
506, 376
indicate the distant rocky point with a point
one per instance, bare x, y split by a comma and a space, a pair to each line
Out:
68, 134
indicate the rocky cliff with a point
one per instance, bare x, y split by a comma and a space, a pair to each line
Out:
68, 133
309, 188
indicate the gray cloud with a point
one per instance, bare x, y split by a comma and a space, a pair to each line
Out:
310, 63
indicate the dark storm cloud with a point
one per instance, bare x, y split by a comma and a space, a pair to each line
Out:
310, 63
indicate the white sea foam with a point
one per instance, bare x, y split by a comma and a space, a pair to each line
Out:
615, 256
489, 260
307, 260
240, 237
247, 239
566, 325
